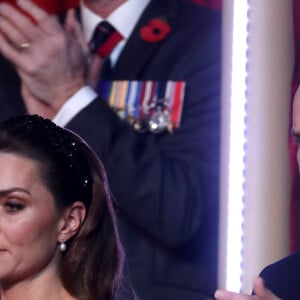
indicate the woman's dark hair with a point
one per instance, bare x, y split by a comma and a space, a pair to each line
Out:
92, 265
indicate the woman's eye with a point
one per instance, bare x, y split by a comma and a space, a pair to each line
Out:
13, 206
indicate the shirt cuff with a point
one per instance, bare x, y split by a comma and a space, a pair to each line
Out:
74, 105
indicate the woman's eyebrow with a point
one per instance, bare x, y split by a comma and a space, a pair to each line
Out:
12, 190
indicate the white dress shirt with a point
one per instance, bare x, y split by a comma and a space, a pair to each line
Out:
124, 19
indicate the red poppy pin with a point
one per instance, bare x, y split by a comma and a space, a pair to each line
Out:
156, 30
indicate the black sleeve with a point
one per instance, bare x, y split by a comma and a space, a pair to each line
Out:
282, 277
11, 102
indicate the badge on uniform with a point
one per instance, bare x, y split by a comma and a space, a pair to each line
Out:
150, 106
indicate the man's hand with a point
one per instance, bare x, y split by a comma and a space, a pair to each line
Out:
50, 59
261, 293
35, 105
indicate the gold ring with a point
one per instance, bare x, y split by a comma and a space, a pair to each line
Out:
24, 45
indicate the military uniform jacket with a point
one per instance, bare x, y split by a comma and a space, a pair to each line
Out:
166, 185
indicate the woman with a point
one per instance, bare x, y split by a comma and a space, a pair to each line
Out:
58, 236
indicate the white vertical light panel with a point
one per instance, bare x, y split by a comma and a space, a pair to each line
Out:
257, 67
267, 194
233, 143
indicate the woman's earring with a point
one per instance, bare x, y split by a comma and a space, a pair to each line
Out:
62, 246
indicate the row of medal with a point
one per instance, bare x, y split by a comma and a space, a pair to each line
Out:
150, 106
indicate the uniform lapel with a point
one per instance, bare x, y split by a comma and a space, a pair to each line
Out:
138, 52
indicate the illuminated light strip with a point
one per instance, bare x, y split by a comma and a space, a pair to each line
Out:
237, 142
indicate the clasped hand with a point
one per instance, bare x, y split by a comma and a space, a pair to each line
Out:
50, 58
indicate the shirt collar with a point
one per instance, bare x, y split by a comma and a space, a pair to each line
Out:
124, 18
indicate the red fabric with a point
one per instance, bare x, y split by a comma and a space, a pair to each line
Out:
68, 3
105, 49
53, 6
155, 31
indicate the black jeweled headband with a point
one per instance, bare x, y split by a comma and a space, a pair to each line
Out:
63, 143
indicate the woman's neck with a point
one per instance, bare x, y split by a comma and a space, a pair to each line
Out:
103, 8
44, 286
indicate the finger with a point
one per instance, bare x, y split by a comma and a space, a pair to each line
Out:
259, 287
18, 56
70, 22
20, 21
93, 71
8, 50
224, 295
73, 27
47, 23
33, 10
12, 34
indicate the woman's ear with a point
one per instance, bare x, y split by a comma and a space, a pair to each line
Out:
72, 219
